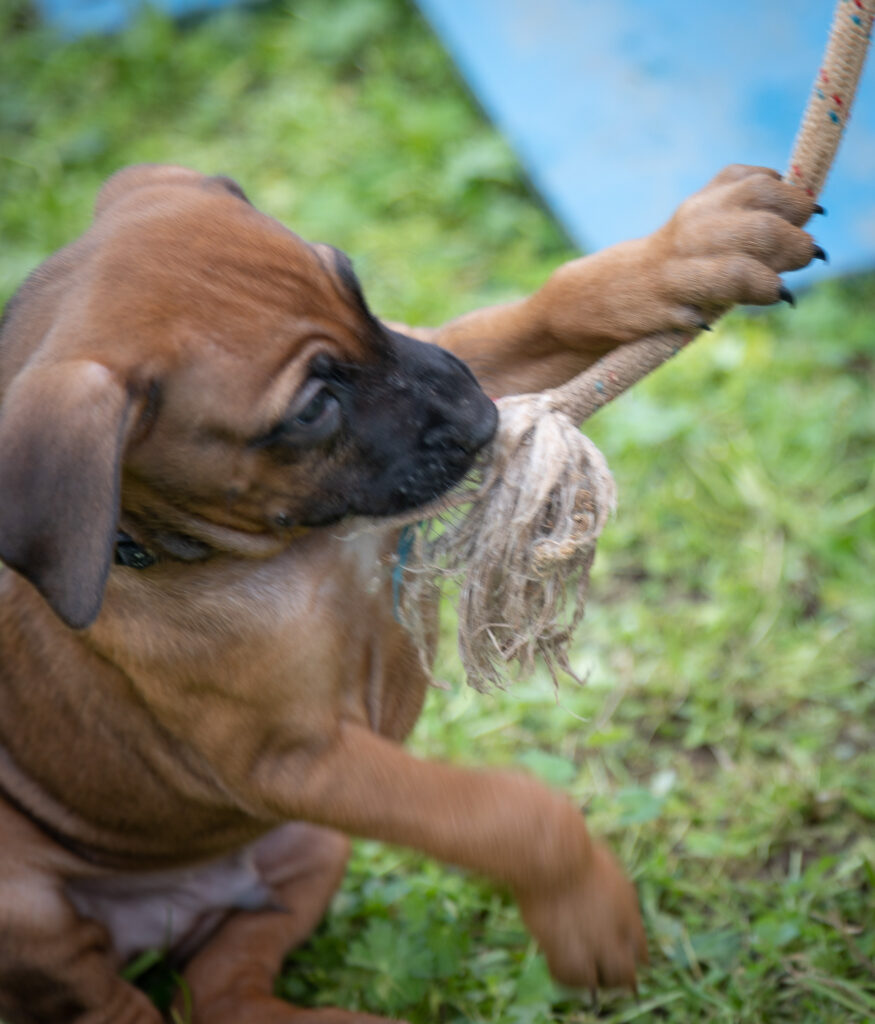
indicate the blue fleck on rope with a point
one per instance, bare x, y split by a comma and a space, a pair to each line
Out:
402, 555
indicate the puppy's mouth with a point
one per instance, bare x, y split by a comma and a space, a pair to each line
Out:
414, 480
437, 472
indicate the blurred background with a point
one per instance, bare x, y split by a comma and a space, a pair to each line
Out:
723, 742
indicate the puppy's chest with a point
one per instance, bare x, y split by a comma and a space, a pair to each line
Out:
302, 640
345, 629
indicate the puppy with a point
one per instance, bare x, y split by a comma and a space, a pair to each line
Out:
203, 689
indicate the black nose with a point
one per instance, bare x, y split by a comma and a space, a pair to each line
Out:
457, 417
449, 440
464, 435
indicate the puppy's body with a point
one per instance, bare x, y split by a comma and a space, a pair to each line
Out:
231, 623
137, 807
196, 376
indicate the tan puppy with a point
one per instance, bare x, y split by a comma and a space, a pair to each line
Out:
203, 688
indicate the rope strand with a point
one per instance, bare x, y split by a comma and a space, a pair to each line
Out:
536, 504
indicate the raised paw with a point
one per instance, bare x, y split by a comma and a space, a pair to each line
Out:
590, 928
729, 243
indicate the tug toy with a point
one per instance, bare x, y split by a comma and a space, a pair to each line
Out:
519, 533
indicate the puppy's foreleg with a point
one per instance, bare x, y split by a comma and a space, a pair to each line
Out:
507, 826
725, 245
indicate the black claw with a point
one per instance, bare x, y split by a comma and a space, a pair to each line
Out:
704, 326
819, 254
786, 295
817, 208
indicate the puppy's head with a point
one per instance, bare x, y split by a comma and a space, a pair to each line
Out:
195, 367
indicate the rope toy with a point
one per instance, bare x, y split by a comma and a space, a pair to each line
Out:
537, 500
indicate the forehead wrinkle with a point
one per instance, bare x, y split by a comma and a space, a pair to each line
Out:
346, 275
348, 289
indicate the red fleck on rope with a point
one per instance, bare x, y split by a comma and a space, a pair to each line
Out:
832, 95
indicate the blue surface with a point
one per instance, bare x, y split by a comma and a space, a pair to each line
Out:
75, 18
619, 110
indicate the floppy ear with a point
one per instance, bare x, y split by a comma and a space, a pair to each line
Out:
62, 427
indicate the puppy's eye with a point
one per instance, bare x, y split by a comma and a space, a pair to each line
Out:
315, 408
313, 416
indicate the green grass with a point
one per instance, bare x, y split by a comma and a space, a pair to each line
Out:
724, 740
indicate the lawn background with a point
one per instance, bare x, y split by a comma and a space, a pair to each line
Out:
724, 740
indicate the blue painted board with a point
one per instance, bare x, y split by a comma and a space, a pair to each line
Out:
620, 109
73, 18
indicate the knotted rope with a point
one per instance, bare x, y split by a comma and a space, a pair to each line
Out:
537, 501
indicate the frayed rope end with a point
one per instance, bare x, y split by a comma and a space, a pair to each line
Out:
521, 549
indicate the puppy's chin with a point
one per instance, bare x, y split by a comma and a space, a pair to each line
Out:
425, 483
417, 490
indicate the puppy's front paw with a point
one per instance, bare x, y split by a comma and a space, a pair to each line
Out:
725, 245
590, 929
729, 243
